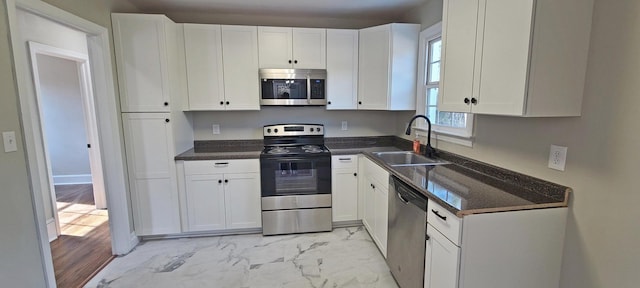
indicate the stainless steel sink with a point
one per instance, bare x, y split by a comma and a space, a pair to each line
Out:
406, 158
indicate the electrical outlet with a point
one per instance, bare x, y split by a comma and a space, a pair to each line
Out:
557, 157
345, 126
216, 129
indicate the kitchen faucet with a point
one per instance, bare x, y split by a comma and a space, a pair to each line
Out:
429, 151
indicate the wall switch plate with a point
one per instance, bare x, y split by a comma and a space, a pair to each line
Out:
9, 139
345, 126
557, 157
216, 129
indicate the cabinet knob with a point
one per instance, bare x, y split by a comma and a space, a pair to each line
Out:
219, 181
167, 120
474, 101
226, 180
355, 174
221, 102
289, 61
427, 237
166, 103
359, 102
328, 102
373, 186
295, 62
466, 101
227, 103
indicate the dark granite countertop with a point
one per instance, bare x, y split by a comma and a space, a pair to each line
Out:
463, 191
463, 187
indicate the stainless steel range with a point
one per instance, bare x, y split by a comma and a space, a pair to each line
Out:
295, 170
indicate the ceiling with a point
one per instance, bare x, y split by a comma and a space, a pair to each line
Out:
308, 8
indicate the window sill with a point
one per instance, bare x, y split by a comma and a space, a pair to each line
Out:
457, 138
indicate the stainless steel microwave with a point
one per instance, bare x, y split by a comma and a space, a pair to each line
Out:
295, 87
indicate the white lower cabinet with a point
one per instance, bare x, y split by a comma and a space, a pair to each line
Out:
441, 261
152, 173
221, 194
494, 250
344, 188
374, 192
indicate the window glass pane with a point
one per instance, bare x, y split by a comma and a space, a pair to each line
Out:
432, 94
434, 72
432, 113
458, 120
436, 47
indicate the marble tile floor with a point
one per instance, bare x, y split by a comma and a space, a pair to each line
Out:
345, 257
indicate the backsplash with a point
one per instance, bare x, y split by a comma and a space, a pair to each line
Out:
248, 124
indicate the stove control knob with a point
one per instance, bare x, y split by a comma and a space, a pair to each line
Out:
318, 129
310, 129
276, 130
269, 130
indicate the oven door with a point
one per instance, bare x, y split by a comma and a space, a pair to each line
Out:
286, 176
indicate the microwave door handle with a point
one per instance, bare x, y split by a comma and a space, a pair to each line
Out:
308, 89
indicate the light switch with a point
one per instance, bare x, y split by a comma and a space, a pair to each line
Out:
9, 139
216, 129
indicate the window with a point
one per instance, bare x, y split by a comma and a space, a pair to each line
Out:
448, 126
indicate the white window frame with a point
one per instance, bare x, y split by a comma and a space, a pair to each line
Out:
463, 136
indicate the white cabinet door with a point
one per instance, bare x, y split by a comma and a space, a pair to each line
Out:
344, 195
381, 218
309, 48
141, 59
368, 214
203, 54
242, 200
205, 202
240, 57
152, 173
441, 261
373, 74
275, 46
387, 67
505, 57
342, 69
460, 20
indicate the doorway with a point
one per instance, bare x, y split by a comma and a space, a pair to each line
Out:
77, 223
37, 21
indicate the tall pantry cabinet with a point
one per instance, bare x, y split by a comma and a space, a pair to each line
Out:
152, 82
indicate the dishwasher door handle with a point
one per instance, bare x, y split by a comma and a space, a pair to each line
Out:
405, 201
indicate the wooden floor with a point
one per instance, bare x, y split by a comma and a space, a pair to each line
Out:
84, 246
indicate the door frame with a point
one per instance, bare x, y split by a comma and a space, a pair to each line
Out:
89, 116
123, 237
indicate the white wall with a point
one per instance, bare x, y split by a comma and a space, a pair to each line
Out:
64, 122
248, 124
601, 248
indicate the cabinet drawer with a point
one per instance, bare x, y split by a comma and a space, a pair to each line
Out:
221, 166
344, 162
444, 221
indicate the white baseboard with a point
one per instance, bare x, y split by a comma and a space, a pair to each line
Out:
72, 179
52, 230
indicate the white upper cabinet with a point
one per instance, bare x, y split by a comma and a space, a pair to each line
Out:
284, 47
142, 59
240, 57
203, 54
220, 60
342, 69
520, 58
388, 62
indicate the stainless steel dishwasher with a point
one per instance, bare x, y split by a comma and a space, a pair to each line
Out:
407, 234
